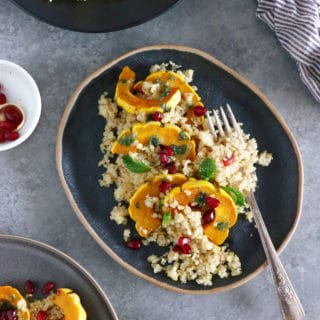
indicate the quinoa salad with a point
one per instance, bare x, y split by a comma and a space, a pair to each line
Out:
50, 303
182, 189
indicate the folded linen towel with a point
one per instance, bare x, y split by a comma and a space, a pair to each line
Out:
296, 24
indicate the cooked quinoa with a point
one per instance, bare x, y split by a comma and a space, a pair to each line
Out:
206, 259
47, 304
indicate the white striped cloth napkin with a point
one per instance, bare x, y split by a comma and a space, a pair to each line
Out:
296, 24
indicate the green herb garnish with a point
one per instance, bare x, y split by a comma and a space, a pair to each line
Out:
137, 205
134, 166
172, 78
207, 169
183, 136
222, 225
166, 219
236, 195
166, 91
123, 80
201, 200
161, 204
149, 118
154, 140
127, 140
179, 150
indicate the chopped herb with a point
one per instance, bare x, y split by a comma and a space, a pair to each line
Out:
222, 225
179, 150
236, 195
149, 118
154, 140
164, 107
201, 200
123, 80
166, 219
127, 140
183, 136
158, 81
6, 305
172, 78
134, 166
166, 91
137, 205
161, 204
207, 169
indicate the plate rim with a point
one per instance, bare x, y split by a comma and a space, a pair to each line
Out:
103, 30
63, 256
93, 233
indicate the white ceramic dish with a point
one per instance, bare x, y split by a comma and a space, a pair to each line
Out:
20, 89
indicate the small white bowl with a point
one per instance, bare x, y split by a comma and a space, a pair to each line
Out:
20, 89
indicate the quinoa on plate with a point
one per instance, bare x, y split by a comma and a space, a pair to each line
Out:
183, 189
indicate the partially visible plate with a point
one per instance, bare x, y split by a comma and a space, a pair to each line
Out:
279, 192
23, 259
95, 15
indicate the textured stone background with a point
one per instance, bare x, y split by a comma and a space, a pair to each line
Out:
33, 204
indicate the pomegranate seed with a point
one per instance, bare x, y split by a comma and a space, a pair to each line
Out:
2, 138
195, 207
29, 287
171, 168
3, 98
11, 136
165, 186
47, 287
157, 116
208, 216
186, 249
12, 114
199, 111
183, 240
176, 248
7, 126
167, 150
42, 315
163, 158
12, 315
134, 244
228, 160
212, 202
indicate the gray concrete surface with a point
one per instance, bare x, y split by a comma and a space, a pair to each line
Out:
34, 205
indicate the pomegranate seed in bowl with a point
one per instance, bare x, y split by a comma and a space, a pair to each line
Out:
184, 240
134, 244
165, 186
208, 216
42, 315
3, 98
157, 116
199, 111
212, 202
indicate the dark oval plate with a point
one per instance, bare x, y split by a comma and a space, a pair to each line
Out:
95, 15
279, 193
23, 259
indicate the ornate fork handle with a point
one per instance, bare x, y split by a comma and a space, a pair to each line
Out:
289, 302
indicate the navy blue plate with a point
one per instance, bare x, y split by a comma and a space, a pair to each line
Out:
95, 15
23, 259
279, 192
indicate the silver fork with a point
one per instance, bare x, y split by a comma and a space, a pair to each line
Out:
290, 304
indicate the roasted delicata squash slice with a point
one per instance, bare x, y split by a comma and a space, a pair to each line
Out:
225, 213
154, 132
132, 103
13, 297
140, 210
70, 304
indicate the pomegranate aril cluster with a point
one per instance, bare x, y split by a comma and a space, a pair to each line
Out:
183, 245
10, 118
8, 315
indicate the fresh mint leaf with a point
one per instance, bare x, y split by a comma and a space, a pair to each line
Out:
207, 169
236, 195
133, 165
201, 200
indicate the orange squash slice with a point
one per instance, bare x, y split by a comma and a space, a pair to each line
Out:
133, 103
167, 135
14, 297
142, 214
225, 213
